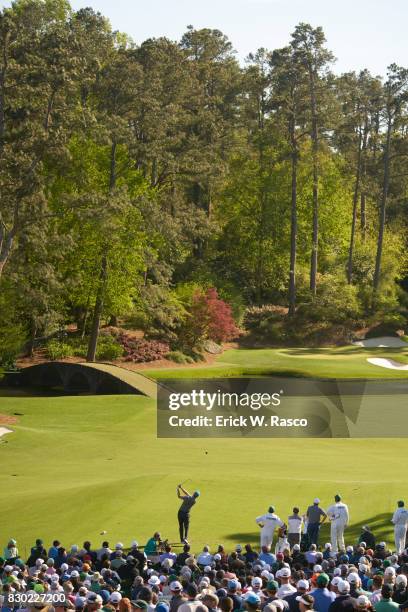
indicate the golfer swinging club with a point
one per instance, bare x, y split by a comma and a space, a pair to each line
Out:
184, 511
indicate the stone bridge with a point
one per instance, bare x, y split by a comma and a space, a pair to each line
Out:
91, 378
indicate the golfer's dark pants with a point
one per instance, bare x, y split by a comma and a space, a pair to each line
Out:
313, 532
293, 538
184, 522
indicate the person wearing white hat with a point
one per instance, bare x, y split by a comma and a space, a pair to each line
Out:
315, 516
339, 517
268, 522
400, 521
286, 588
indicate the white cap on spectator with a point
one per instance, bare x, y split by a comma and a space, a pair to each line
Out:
335, 581
317, 568
74, 574
217, 557
256, 581
119, 546
390, 571
401, 579
154, 580
363, 601
64, 567
176, 586
207, 569
343, 586
302, 584
353, 578
115, 597
316, 500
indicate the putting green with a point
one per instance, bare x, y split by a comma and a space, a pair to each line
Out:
76, 466
340, 362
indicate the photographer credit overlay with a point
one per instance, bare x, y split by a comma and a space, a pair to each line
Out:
276, 407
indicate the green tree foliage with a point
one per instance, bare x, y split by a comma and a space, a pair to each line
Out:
129, 173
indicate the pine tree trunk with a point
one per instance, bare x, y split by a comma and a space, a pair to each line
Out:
383, 209
315, 150
293, 227
97, 313
354, 216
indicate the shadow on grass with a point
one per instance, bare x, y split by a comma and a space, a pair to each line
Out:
380, 525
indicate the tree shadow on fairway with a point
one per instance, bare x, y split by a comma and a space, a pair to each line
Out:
380, 525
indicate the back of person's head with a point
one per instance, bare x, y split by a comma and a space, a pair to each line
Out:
271, 509
401, 504
226, 604
56, 543
168, 548
337, 498
191, 590
105, 544
295, 510
387, 591
377, 581
186, 548
146, 594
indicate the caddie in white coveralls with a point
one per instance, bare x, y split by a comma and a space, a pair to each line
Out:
339, 517
268, 523
400, 520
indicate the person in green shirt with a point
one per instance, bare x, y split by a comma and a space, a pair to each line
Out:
386, 604
152, 544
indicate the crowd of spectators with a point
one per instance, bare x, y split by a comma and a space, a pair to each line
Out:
157, 578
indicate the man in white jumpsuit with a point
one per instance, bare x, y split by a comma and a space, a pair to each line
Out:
400, 520
268, 523
339, 517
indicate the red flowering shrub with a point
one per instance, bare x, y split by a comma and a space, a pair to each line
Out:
140, 350
209, 317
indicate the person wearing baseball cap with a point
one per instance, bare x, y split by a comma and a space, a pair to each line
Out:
323, 598
302, 587
177, 596
315, 518
183, 516
193, 604
252, 602
286, 588
233, 588
400, 521
268, 522
339, 517
343, 602
306, 602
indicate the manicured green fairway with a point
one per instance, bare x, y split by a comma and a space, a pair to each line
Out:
76, 466
347, 362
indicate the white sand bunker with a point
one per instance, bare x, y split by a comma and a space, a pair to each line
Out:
4, 431
384, 341
387, 363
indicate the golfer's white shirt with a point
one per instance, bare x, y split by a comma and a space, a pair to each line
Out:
295, 525
270, 522
400, 517
338, 513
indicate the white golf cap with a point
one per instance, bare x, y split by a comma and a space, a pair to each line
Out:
327, 545
337, 571
217, 557
401, 579
92, 597
256, 581
119, 546
353, 578
74, 574
302, 584
389, 571
343, 586
207, 569
363, 601
317, 569
176, 586
296, 547
115, 597
316, 500
134, 543
284, 572
64, 567
335, 581
154, 580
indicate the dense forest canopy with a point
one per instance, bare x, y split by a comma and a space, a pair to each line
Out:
138, 179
